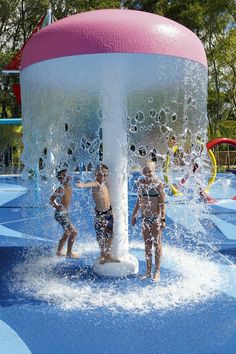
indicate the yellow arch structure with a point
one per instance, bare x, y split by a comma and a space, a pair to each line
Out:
213, 171
174, 189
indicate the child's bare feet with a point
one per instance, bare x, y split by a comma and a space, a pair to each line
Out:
145, 276
109, 259
156, 276
72, 255
102, 260
60, 254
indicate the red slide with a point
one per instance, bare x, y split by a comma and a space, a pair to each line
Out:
218, 141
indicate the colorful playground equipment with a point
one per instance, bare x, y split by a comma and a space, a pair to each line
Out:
219, 141
78, 71
111, 85
173, 188
209, 146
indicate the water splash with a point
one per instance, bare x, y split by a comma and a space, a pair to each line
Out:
187, 279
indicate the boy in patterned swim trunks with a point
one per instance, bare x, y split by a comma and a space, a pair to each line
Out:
103, 213
60, 200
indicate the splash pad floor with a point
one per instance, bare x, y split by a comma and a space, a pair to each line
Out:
51, 305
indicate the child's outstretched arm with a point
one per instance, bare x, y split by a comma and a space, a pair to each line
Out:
135, 212
86, 184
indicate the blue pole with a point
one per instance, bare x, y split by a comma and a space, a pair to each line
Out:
10, 121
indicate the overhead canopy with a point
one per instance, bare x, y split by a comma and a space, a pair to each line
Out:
14, 65
113, 31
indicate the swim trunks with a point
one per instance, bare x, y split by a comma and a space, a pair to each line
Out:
63, 218
103, 224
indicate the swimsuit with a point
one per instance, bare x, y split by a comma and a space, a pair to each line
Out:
150, 220
63, 218
103, 224
151, 192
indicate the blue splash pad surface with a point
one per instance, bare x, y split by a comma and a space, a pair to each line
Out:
56, 306
204, 327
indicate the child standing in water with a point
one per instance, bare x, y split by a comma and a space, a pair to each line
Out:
60, 200
151, 201
103, 213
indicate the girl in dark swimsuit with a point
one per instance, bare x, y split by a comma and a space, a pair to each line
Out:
151, 201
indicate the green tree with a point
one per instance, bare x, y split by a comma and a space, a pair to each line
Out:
219, 40
214, 23
222, 81
8, 104
17, 21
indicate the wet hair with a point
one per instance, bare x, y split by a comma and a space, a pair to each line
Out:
149, 164
60, 172
101, 166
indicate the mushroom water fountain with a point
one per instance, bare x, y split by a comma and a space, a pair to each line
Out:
112, 82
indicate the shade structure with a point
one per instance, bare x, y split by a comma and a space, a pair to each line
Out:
115, 81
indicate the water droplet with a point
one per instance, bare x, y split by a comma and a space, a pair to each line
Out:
133, 121
174, 117
133, 129
164, 129
163, 117
152, 113
157, 119
142, 151
140, 117
99, 113
100, 133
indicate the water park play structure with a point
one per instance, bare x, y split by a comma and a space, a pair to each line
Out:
212, 177
122, 83
116, 96
209, 146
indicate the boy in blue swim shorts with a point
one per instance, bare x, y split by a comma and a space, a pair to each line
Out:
103, 225
103, 222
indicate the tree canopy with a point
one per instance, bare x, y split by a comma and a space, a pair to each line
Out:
213, 21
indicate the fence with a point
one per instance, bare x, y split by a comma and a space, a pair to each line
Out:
226, 158
10, 161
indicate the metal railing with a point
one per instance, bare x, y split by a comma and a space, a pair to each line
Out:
10, 121
226, 158
10, 162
